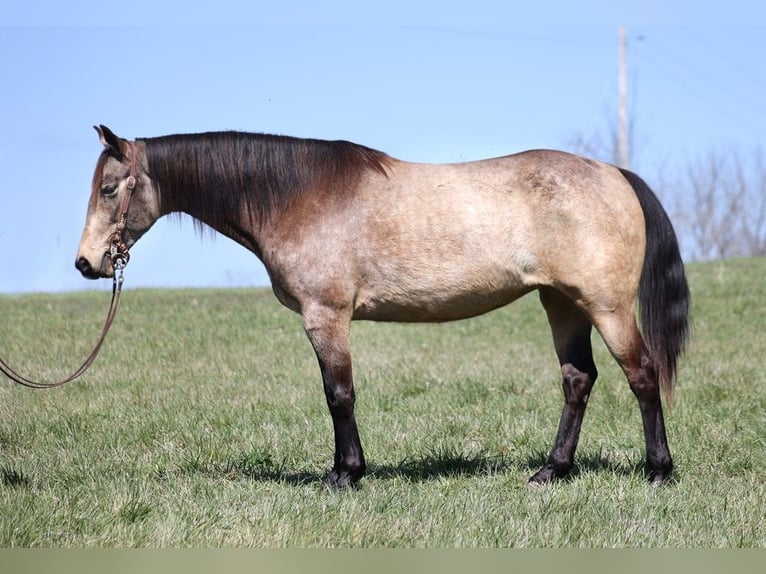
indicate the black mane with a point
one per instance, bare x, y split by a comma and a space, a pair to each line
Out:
218, 174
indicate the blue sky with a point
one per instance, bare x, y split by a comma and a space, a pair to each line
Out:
432, 81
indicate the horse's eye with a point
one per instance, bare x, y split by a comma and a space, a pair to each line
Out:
109, 191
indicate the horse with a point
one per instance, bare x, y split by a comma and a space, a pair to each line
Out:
348, 233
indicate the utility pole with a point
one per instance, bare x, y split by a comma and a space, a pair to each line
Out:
622, 83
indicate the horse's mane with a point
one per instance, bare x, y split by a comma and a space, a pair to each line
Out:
220, 173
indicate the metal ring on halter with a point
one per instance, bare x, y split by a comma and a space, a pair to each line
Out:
120, 260
118, 253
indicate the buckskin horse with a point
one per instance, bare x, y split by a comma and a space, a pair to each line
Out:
350, 233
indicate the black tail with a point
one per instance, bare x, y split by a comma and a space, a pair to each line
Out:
663, 292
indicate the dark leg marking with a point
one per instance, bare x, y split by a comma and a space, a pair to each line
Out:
571, 337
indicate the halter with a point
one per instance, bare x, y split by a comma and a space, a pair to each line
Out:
118, 250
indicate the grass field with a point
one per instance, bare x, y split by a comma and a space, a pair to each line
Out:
203, 424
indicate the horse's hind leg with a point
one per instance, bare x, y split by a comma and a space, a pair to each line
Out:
328, 331
571, 337
622, 337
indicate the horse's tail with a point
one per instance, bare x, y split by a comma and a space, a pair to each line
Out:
663, 292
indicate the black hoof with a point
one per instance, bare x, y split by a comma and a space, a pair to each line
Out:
546, 475
659, 478
342, 479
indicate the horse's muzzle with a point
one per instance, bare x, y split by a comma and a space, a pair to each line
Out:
87, 270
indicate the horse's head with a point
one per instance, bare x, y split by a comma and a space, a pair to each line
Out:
122, 206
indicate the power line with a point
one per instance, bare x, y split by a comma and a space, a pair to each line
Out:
688, 77
747, 72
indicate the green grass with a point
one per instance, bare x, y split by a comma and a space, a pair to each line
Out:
203, 424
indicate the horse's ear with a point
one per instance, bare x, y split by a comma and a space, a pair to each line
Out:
110, 140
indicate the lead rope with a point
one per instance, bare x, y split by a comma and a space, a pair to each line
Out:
17, 378
118, 253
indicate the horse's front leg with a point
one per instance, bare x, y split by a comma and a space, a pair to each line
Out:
328, 331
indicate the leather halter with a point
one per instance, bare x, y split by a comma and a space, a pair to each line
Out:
118, 250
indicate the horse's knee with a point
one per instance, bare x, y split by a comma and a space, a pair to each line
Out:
338, 384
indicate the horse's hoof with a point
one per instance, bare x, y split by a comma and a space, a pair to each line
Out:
546, 475
341, 479
660, 479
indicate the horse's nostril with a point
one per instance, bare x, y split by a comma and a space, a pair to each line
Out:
84, 267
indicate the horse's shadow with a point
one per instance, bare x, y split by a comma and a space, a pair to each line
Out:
436, 465
432, 466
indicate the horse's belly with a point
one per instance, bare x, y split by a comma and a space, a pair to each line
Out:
412, 302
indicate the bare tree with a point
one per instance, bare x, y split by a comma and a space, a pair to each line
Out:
718, 200
721, 205
603, 142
